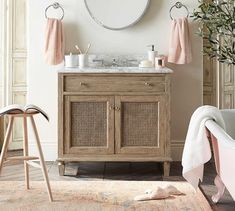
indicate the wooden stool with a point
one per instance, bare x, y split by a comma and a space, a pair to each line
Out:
28, 160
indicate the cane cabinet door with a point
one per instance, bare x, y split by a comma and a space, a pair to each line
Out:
89, 125
140, 123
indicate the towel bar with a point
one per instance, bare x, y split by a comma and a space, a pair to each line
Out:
178, 5
55, 5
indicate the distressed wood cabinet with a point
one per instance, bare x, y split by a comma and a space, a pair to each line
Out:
88, 125
114, 117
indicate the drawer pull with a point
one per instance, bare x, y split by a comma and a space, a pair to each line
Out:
147, 84
82, 84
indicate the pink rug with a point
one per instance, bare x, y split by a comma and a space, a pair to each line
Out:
97, 196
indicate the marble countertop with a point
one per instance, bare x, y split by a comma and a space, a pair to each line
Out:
164, 70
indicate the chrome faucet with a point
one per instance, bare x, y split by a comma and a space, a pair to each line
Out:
99, 61
114, 63
130, 62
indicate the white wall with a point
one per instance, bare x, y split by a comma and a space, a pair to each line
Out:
81, 29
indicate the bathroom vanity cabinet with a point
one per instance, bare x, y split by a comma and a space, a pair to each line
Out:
114, 117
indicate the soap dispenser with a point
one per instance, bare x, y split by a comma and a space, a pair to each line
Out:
152, 54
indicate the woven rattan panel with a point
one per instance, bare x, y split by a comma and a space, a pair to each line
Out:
139, 124
89, 124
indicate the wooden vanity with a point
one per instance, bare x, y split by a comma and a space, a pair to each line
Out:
114, 117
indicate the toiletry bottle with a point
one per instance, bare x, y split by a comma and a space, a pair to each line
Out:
152, 54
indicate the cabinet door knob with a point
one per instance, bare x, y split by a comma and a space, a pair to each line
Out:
111, 108
117, 108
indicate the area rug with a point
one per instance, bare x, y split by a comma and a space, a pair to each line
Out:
97, 196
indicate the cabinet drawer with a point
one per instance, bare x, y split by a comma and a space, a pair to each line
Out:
75, 83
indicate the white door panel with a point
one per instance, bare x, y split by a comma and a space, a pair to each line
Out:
15, 56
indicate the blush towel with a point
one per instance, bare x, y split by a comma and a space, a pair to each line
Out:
54, 45
180, 49
197, 147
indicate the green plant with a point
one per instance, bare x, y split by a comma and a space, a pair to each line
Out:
217, 27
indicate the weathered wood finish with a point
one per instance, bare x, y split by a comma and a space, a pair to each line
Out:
209, 81
226, 86
218, 83
109, 148
114, 89
158, 147
166, 168
61, 166
113, 83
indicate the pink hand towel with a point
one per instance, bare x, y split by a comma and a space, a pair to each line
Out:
180, 49
54, 46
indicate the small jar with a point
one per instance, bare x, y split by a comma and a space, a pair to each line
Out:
159, 61
83, 60
71, 60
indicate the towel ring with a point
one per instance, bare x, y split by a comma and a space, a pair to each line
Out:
55, 5
178, 5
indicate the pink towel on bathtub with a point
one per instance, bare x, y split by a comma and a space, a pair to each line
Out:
54, 46
180, 50
197, 147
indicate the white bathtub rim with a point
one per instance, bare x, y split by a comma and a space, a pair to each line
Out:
220, 134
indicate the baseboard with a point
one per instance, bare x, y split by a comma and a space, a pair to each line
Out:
177, 147
50, 150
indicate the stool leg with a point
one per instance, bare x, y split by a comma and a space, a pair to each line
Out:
42, 162
6, 142
26, 153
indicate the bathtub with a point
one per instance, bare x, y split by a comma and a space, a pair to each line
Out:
223, 144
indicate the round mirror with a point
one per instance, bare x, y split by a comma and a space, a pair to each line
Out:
116, 14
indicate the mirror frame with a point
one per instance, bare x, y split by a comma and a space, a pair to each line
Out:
118, 28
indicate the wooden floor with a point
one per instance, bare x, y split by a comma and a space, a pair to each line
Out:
116, 171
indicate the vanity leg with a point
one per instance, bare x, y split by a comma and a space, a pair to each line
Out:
61, 166
166, 169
